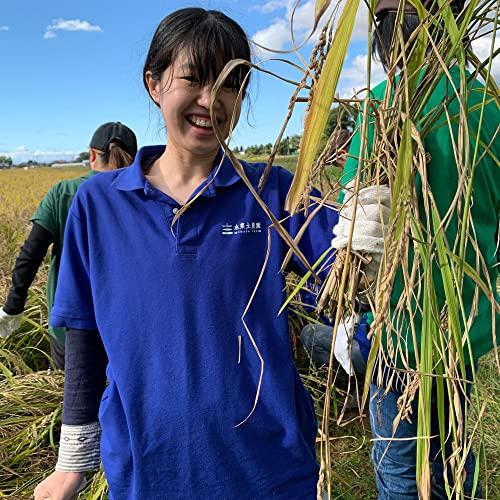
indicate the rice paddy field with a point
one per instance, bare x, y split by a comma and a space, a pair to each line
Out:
31, 390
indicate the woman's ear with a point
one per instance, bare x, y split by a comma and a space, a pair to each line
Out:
92, 155
153, 87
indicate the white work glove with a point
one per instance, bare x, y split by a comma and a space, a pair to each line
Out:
372, 217
343, 341
9, 323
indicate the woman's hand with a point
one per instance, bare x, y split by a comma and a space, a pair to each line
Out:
60, 486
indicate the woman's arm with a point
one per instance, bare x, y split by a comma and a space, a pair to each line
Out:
85, 376
85, 379
27, 263
84, 383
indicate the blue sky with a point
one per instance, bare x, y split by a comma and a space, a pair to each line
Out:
70, 66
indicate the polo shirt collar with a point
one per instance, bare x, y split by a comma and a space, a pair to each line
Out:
133, 178
224, 176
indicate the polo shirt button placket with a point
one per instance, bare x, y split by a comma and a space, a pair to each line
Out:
186, 234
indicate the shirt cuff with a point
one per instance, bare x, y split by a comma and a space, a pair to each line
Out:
60, 319
79, 448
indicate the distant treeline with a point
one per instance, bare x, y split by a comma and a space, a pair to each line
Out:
7, 162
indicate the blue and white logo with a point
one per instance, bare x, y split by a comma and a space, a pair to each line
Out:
241, 228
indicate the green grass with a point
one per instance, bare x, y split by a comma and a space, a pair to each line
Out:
288, 162
350, 450
489, 388
330, 175
353, 476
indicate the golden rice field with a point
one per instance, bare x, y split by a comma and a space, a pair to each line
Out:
20, 193
21, 190
30, 395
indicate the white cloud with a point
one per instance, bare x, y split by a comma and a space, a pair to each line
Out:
39, 152
360, 31
4, 28
353, 76
69, 25
482, 47
277, 35
270, 6
303, 17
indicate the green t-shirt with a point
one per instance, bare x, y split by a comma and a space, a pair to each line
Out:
443, 180
51, 214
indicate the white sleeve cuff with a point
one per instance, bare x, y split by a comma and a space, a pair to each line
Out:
79, 448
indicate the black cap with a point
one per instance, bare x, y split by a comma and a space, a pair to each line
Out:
114, 132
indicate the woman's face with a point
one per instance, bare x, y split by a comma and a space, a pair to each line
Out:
184, 104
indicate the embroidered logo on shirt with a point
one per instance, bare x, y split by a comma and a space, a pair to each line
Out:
241, 228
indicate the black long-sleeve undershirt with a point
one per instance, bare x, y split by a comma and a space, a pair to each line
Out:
27, 263
85, 376
86, 360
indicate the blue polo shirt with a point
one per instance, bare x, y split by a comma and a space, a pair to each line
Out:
185, 356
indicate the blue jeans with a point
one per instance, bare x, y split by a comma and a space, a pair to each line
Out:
395, 461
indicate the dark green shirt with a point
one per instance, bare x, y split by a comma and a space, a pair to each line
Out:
51, 214
443, 180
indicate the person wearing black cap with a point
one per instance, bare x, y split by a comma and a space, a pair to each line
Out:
113, 145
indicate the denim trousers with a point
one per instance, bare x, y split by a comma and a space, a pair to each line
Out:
395, 461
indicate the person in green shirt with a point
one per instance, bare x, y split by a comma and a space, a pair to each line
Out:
394, 452
113, 145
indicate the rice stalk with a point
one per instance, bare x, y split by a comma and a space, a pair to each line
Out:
322, 99
30, 411
418, 243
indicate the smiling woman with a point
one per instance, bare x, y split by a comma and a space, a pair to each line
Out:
186, 55
203, 399
184, 101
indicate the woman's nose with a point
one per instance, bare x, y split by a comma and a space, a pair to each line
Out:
205, 96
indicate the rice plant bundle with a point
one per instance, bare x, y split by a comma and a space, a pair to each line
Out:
434, 280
